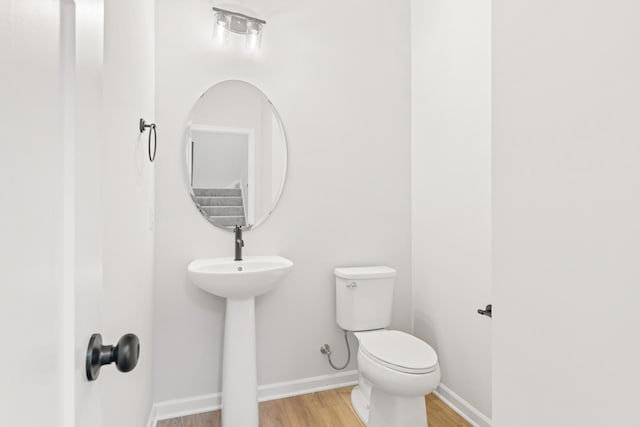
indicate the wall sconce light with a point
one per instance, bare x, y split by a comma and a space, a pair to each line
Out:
228, 21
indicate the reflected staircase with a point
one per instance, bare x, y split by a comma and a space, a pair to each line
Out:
223, 206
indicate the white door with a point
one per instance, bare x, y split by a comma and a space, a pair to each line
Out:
33, 245
83, 38
76, 217
566, 213
114, 86
128, 202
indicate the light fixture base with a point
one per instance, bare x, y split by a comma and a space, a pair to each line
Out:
238, 23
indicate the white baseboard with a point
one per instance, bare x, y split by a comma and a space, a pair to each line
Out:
306, 385
152, 417
462, 407
212, 402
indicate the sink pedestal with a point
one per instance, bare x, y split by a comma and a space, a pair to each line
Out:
240, 282
239, 372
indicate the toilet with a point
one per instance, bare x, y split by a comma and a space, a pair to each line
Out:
396, 369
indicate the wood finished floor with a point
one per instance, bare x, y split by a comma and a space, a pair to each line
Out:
331, 408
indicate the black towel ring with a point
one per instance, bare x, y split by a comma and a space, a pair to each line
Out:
152, 128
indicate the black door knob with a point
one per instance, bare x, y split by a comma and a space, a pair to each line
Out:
125, 354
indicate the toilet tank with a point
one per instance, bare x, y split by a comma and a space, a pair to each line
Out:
364, 297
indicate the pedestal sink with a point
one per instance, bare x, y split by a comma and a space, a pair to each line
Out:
239, 282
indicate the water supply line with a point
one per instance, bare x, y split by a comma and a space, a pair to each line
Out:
326, 349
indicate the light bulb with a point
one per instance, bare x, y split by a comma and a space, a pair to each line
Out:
221, 29
254, 35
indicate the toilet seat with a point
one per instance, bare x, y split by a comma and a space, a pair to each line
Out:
398, 351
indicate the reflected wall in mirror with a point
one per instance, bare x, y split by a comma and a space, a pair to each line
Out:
236, 155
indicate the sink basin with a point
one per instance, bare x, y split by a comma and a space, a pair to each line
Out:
253, 276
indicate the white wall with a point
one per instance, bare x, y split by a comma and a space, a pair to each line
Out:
128, 200
344, 96
31, 221
451, 189
232, 104
566, 212
219, 159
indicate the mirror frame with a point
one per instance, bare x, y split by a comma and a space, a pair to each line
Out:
186, 162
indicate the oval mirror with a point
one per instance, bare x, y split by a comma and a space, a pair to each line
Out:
236, 155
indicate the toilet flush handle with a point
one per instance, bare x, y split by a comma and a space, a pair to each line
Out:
352, 285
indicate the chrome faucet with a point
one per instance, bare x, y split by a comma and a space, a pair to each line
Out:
239, 242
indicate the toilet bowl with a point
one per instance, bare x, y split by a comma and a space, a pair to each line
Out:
396, 369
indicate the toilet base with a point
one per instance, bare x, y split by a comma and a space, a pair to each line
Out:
360, 404
388, 410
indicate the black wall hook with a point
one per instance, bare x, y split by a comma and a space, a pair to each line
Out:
487, 311
142, 125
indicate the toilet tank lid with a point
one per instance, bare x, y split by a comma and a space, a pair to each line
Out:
374, 272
